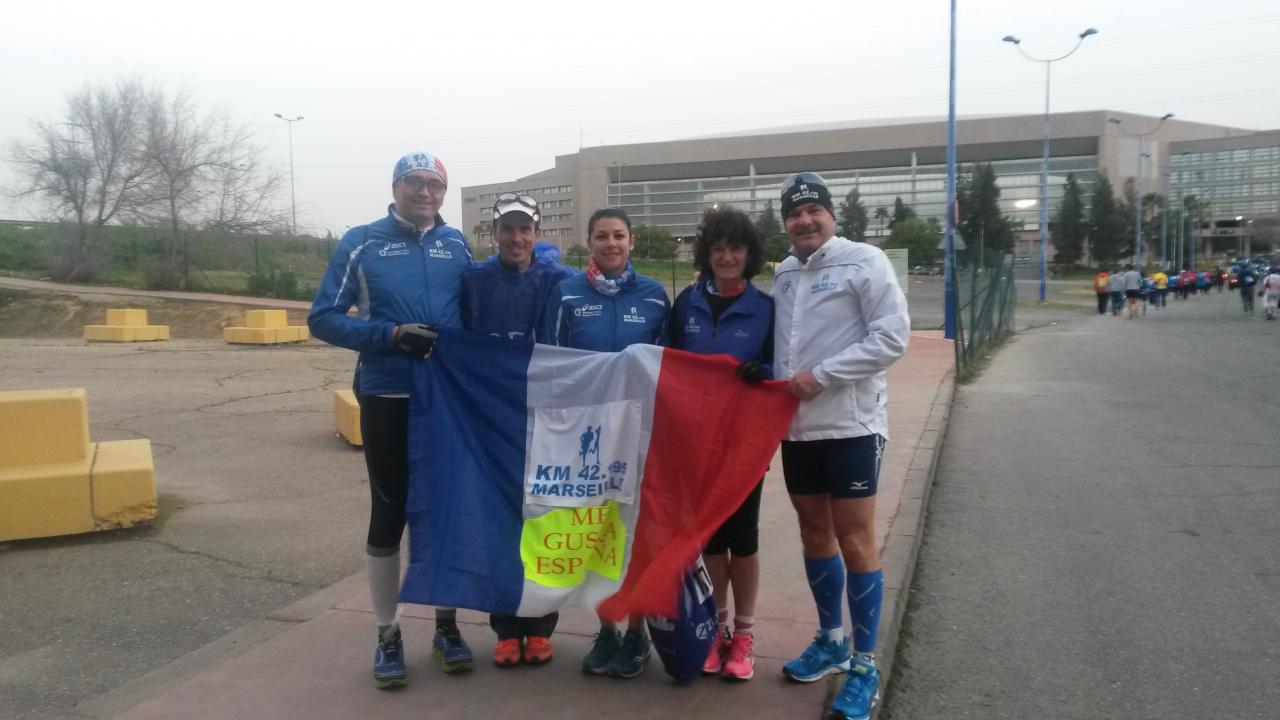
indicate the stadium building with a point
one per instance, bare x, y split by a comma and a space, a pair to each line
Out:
669, 184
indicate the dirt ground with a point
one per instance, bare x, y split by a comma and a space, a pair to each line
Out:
34, 314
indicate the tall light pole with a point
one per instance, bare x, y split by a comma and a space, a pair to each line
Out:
949, 237
293, 201
1164, 224
1044, 160
1137, 188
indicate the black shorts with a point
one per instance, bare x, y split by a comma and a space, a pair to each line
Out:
1133, 293
740, 534
843, 467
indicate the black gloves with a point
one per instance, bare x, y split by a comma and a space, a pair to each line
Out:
752, 372
416, 340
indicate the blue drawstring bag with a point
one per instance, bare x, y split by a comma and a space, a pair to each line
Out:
683, 642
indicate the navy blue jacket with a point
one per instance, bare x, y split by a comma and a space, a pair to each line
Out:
392, 275
579, 316
744, 330
500, 301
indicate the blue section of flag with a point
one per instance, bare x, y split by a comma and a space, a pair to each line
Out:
465, 489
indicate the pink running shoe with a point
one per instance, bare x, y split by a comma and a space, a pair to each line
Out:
740, 662
715, 657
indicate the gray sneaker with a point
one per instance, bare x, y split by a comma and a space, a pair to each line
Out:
603, 648
629, 661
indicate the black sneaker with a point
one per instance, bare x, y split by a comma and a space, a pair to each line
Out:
629, 661
602, 651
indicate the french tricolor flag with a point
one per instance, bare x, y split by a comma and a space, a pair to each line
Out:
545, 477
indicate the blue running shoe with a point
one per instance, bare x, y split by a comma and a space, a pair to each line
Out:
860, 693
602, 651
822, 657
629, 661
388, 662
451, 651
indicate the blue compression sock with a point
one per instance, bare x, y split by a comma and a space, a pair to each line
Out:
866, 592
826, 580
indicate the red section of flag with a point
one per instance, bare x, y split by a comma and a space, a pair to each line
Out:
713, 438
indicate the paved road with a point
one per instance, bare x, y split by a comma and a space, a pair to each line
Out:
259, 506
1102, 540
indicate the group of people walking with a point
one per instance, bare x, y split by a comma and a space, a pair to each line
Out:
835, 323
1126, 290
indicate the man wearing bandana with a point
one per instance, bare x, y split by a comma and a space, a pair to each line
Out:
402, 273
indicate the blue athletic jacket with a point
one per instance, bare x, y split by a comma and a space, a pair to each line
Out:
500, 301
745, 329
392, 275
579, 316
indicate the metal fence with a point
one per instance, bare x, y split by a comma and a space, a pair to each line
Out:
985, 298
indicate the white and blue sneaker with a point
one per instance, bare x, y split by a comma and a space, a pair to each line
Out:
860, 693
388, 662
822, 657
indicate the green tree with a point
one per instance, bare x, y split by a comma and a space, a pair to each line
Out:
777, 247
1106, 225
982, 225
901, 211
919, 237
1069, 227
653, 242
882, 214
853, 217
767, 221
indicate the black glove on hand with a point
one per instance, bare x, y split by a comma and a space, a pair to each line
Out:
416, 340
752, 372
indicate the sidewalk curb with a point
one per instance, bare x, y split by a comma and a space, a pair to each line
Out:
907, 531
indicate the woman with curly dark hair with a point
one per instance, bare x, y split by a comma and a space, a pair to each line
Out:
723, 313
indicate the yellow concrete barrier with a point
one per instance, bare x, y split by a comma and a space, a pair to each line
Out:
346, 415
266, 318
54, 481
40, 427
126, 325
266, 327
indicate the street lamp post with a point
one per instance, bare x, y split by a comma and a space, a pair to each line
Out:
949, 238
1164, 225
293, 201
1137, 188
1044, 160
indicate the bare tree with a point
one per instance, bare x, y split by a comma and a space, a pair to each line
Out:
129, 152
91, 166
207, 177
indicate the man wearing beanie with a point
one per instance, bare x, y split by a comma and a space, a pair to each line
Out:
841, 322
402, 273
507, 297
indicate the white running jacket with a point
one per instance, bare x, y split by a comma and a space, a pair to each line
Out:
843, 316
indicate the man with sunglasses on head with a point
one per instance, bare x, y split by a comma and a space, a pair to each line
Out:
841, 322
403, 274
506, 297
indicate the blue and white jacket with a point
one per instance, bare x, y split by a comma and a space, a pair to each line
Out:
500, 301
392, 275
745, 328
579, 316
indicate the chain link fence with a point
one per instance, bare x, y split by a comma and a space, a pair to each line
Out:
985, 298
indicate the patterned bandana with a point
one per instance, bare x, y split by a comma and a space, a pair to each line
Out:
604, 285
419, 161
734, 292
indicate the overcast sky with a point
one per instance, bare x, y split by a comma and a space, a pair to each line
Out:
498, 89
